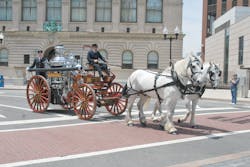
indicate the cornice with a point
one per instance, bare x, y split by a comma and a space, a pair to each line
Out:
78, 35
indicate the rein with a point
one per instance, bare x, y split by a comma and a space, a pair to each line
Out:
176, 81
155, 87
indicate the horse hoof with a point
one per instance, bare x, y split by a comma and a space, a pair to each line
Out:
173, 133
156, 120
194, 126
143, 123
161, 127
172, 130
130, 125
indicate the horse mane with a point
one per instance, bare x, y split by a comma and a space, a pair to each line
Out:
181, 66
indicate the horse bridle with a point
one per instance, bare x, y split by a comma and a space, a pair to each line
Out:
191, 68
212, 73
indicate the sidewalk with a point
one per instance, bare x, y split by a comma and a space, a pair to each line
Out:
213, 94
222, 94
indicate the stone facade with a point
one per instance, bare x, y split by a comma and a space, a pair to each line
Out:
114, 40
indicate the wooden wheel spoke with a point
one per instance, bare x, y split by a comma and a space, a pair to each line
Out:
31, 91
44, 100
120, 105
84, 101
38, 93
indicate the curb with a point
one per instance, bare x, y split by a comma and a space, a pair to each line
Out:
247, 100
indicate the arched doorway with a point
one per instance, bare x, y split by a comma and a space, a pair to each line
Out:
49, 53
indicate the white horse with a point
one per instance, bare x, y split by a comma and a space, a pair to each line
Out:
210, 73
164, 87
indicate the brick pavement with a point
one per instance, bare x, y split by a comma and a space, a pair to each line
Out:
56, 142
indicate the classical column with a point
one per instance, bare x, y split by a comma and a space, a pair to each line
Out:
65, 14
116, 15
41, 14
141, 14
90, 15
16, 15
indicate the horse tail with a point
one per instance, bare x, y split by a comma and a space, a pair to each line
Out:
124, 90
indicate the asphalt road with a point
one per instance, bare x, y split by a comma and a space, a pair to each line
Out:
58, 138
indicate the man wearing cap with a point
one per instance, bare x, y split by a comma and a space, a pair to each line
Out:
39, 62
93, 57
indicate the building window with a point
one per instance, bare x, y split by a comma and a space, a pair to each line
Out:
154, 11
5, 10
3, 57
241, 50
103, 10
26, 59
127, 60
223, 6
128, 10
29, 10
79, 10
153, 60
211, 16
234, 3
245, 2
104, 53
54, 10
226, 56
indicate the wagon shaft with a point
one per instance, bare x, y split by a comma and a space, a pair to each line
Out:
108, 101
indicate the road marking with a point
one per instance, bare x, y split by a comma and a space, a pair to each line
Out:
2, 116
66, 117
122, 149
84, 123
13, 96
30, 121
20, 108
183, 110
58, 126
215, 160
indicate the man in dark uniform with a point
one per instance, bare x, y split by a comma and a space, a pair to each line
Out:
39, 62
93, 57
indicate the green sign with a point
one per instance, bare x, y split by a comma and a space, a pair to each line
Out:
52, 26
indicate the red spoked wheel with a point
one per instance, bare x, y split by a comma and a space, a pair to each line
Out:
84, 102
38, 93
120, 102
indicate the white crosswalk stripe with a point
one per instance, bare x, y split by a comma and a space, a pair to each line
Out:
2, 116
98, 115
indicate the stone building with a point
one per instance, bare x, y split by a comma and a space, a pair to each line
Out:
128, 32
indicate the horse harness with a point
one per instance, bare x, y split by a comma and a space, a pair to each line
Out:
188, 89
153, 89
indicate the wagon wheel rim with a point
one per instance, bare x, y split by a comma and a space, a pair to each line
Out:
84, 102
120, 104
38, 93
